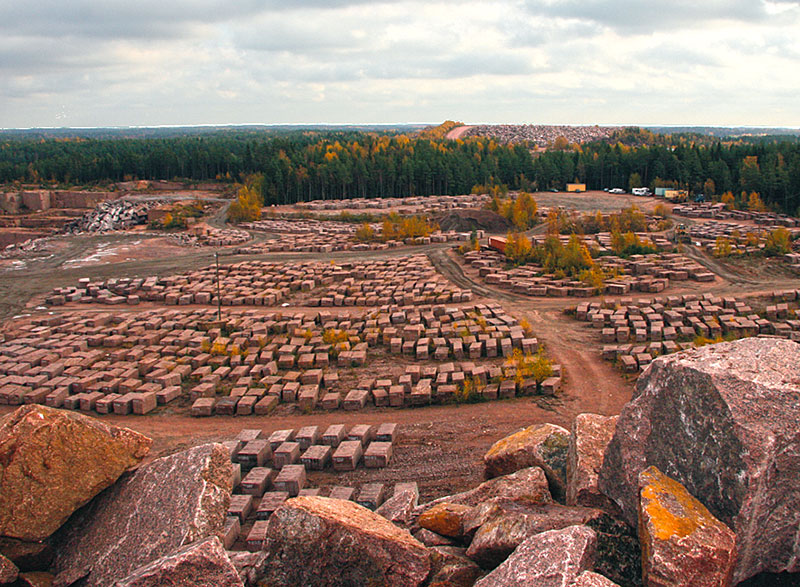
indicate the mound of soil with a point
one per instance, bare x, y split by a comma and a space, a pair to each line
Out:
469, 220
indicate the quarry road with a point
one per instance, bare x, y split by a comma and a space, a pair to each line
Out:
457, 132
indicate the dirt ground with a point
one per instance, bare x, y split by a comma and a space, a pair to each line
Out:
595, 200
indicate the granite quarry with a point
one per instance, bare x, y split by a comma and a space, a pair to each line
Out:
297, 415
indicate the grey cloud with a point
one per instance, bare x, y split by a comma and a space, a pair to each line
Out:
676, 58
118, 18
649, 15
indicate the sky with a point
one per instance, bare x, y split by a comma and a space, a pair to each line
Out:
86, 63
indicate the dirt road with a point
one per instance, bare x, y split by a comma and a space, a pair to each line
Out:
457, 132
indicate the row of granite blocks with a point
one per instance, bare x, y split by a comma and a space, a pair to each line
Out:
418, 386
260, 489
648, 274
154, 352
403, 280
650, 328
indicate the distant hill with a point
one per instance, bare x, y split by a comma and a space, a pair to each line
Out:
726, 131
161, 132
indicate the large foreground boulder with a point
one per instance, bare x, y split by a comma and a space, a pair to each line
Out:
591, 434
162, 506
540, 445
200, 564
550, 559
682, 543
322, 541
52, 462
722, 421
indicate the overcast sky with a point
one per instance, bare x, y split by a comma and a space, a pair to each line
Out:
182, 62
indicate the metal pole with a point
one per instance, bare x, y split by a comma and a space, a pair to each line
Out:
219, 300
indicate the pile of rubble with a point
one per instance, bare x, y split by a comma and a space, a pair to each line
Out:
112, 215
29, 248
541, 134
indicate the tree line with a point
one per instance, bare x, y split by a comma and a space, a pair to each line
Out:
307, 165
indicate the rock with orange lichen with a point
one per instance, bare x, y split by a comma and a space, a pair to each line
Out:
722, 421
444, 518
52, 462
541, 445
682, 542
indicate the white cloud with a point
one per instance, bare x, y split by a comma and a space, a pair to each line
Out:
110, 62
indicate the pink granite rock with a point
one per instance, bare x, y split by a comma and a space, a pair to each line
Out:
549, 559
527, 485
722, 421
540, 445
683, 544
146, 515
591, 434
590, 579
52, 462
323, 541
200, 564
506, 525
8, 571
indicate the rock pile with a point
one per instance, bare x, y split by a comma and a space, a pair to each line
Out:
112, 215
695, 483
541, 134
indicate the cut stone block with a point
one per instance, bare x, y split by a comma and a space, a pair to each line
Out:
257, 481
278, 437
347, 455
372, 495
364, 433
286, 454
378, 455
241, 506
270, 502
317, 457
334, 435
255, 453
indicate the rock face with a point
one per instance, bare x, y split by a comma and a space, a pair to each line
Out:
323, 541
541, 445
590, 579
162, 506
722, 421
554, 558
27, 556
508, 525
451, 568
527, 485
52, 462
682, 543
8, 571
201, 564
400, 507
591, 434
444, 518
